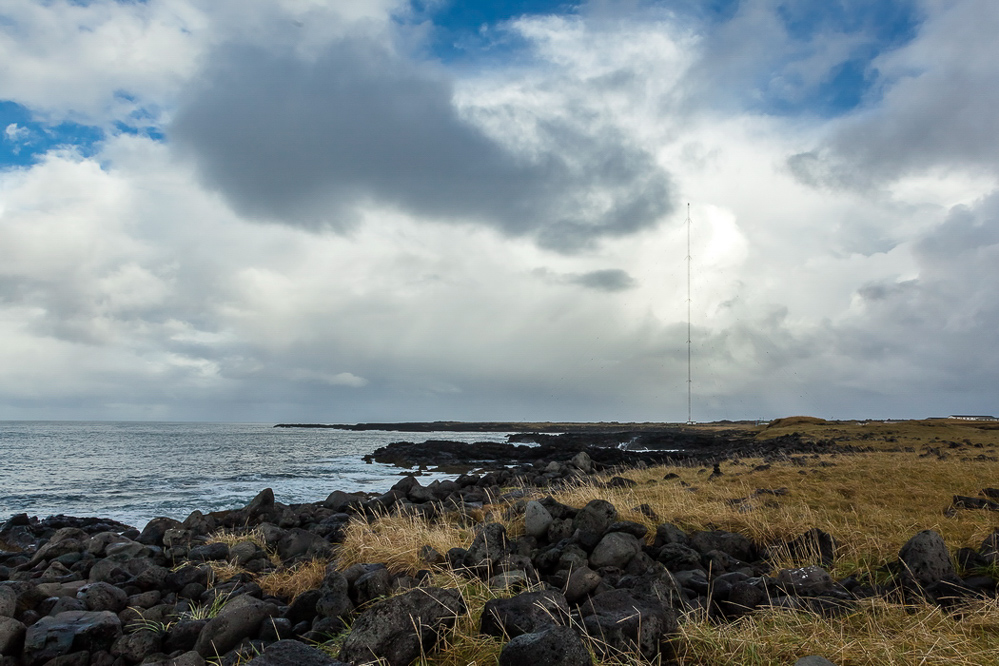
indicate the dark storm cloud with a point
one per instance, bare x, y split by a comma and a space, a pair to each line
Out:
607, 279
611, 279
307, 143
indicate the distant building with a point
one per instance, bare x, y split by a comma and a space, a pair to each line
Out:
965, 417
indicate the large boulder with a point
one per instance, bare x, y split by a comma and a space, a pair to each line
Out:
809, 580
11, 636
615, 549
488, 547
152, 533
19, 594
623, 622
298, 544
72, 631
925, 560
552, 646
537, 520
402, 628
730, 543
8, 601
293, 653
592, 521
334, 598
137, 646
240, 618
523, 614
102, 596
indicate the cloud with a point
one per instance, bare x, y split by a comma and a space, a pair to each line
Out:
312, 142
16, 134
413, 201
931, 109
607, 279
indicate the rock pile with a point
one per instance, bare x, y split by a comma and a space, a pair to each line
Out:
79, 592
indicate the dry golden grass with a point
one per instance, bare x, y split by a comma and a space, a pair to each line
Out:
237, 536
892, 435
876, 634
872, 503
293, 581
221, 571
395, 540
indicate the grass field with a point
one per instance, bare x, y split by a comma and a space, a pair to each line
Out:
871, 502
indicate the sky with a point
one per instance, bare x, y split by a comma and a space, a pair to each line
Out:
384, 210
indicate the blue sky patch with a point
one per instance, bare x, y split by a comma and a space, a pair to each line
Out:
882, 25
464, 29
23, 139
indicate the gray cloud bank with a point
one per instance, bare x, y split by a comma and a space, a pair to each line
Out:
308, 142
933, 107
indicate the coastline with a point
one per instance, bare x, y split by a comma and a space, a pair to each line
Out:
695, 550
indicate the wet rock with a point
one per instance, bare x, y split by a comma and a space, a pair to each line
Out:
524, 613
293, 653
552, 646
402, 628
72, 631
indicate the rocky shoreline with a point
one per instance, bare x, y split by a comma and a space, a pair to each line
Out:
606, 450
85, 591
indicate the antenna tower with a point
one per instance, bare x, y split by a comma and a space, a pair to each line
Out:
689, 380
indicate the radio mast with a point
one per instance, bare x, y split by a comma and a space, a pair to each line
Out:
690, 382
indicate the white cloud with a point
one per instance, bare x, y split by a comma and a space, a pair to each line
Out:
129, 288
16, 134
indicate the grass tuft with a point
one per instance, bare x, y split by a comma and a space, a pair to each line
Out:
293, 581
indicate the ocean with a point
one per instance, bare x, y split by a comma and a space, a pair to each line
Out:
136, 471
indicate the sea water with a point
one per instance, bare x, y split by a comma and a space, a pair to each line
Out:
136, 471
